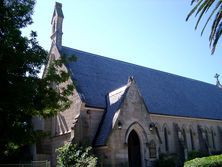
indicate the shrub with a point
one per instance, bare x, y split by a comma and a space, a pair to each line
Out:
211, 161
196, 154
166, 161
75, 155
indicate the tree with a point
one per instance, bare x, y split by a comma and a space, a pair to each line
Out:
215, 9
75, 155
23, 93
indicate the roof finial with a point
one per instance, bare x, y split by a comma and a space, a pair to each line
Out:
218, 82
130, 79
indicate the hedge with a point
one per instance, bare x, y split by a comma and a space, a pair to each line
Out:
211, 161
197, 154
166, 160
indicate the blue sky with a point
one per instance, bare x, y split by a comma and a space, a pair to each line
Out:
151, 33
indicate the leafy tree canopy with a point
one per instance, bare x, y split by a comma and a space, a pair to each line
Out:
23, 93
214, 8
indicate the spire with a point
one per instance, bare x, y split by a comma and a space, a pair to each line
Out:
56, 22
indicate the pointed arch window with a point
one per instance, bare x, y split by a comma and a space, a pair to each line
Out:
213, 141
166, 140
185, 138
152, 149
207, 138
191, 139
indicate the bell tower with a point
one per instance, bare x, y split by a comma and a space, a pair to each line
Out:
57, 20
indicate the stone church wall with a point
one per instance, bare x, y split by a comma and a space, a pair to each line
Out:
88, 124
61, 126
133, 115
61, 129
187, 124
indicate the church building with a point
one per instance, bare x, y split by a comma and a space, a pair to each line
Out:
130, 114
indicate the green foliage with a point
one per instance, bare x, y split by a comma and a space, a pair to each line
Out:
23, 93
74, 155
211, 161
215, 8
166, 161
195, 154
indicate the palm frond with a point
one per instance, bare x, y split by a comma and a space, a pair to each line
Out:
216, 37
215, 8
203, 8
194, 9
214, 25
193, 2
212, 13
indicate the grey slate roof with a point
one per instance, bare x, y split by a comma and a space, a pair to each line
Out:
163, 93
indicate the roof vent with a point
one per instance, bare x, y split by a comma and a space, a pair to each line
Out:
218, 82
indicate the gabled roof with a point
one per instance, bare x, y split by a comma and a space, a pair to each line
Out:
114, 101
163, 93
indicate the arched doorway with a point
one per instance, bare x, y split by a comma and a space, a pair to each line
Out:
134, 154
